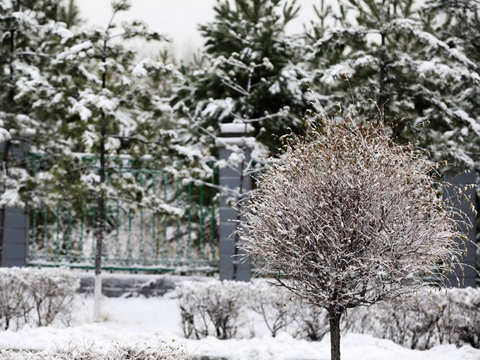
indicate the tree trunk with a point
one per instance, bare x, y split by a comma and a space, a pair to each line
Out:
100, 231
98, 259
334, 319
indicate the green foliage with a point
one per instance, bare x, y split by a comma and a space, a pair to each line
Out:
388, 57
248, 72
69, 14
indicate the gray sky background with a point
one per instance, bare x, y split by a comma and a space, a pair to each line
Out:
176, 18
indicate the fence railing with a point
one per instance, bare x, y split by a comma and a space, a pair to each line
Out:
183, 237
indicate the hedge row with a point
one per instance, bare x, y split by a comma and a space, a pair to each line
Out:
431, 317
35, 296
117, 352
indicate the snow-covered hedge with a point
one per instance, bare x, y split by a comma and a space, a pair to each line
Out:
429, 318
275, 306
223, 309
117, 352
35, 296
211, 308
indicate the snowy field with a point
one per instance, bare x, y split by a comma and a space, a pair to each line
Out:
150, 321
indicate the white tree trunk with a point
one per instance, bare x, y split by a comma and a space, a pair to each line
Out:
97, 297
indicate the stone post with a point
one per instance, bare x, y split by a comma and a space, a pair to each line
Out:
235, 183
14, 245
15, 238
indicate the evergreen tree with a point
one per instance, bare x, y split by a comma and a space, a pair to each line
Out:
69, 14
90, 111
458, 24
29, 40
110, 117
248, 73
385, 58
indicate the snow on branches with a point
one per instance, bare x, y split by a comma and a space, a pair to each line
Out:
349, 218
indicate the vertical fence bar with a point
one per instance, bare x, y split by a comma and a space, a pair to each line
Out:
107, 234
142, 224
33, 241
129, 238
117, 231
45, 233
177, 229
68, 241
213, 220
201, 245
80, 240
57, 236
189, 221
164, 225
142, 237
154, 226
94, 227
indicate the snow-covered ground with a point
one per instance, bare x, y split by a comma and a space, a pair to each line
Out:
150, 321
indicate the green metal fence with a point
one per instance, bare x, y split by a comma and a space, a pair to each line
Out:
183, 239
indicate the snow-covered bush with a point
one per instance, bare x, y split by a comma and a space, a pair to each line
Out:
461, 321
116, 352
211, 308
35, 296
14, 304
52, 292
428, 318
274, 304
349, 218
413, 324
311, 322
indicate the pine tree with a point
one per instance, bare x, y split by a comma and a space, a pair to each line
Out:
69, 14
390, 60
89, 110
248, 73
29, 35
458, 25
109, 118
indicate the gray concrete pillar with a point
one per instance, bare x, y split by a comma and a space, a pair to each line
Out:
15, 233
14, 249
467, 275
234, 148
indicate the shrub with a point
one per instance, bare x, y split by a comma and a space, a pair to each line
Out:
311, 321
429, 318
51, 292
349, 218
117, 352
35, 296
14, 304
275, 305
211, 308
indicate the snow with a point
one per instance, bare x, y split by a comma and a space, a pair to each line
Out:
139, 70
4, 135
222, 106
132, 321
236, 128
69, 53
64, 33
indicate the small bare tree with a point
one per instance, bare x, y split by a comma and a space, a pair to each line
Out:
349, 218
